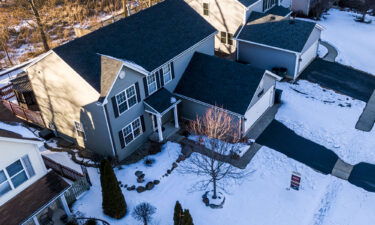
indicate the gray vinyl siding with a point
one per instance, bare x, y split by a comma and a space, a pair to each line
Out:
131, 77
117, 124
266, 83
266, 58
96, 130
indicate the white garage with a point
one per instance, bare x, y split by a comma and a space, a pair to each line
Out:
259, 108
288, 45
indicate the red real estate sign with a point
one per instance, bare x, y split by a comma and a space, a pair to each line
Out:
295, 181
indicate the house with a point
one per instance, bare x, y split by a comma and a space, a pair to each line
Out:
97, 89
112, 91
286, 45
29, 193
243, 91
305, 7
227, 16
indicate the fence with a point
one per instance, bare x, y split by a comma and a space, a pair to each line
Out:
6, 92
78, 188
26, 114
62, 170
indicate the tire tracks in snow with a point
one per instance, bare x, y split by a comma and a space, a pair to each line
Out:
327, 202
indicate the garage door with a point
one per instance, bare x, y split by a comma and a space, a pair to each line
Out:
257, 110
308, 56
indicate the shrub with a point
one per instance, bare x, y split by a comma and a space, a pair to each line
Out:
143, 212
91, 222
113, 204
181, 217
187, 219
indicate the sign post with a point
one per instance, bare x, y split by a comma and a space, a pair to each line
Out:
295, 181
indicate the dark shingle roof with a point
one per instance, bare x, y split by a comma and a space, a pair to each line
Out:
32, 199
220, 82
149, 38
160, 100
286, 34
276, 10
247, 3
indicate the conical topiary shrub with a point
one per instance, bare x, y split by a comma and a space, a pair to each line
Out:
187, 219
177, 216
113, 204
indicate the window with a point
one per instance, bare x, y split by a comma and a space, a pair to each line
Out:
29, 167
4, 184
167, 75
17, 173
132, 131
206, 10
226, 38
151, 84
79, 129
268, 4
126, 99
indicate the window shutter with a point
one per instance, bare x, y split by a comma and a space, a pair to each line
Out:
137, 91
143, 123
114, 104
158, 83
172, 70
145, 86
122, 140
162, 78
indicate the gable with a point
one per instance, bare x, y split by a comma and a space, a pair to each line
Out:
109, 70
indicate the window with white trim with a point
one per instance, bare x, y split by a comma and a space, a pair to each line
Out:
126, 99
206, 10
151, 84
167, 75
15, 174
226, 38
132, 131
79, 129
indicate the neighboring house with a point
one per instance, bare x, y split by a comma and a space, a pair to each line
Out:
227, 16
305, 6
289, 44
29, 193
243, 91
99, 90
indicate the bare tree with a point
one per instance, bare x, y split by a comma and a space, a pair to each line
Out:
143, 212
4, 38
31, 7
218, 131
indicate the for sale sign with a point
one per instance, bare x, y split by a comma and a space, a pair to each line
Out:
295, 181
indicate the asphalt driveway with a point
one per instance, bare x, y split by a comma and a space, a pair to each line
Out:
282, 139
363, 175
340, 78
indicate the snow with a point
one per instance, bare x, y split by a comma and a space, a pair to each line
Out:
354, 41
326, 118
19, 129
63, 158
264, 198
322, 51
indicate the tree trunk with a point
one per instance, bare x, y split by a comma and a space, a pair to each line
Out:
7, 54
144, 221
40, 24
364, 16
124, 3
215, 188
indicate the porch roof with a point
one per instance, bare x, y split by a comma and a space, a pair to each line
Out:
160, 101
35, 197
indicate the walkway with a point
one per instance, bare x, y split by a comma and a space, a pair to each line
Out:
332, 52
367, 119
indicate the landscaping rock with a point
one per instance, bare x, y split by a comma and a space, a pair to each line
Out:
156, 182
131, 188
174, 165
138, 173
169, 171
150, 185
140, 179
140, 189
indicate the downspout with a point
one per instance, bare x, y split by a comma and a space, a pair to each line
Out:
109, 127
296, 66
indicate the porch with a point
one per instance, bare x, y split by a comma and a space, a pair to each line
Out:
161, 105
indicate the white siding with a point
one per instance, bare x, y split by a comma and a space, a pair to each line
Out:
258, 109
12, 151
308, 56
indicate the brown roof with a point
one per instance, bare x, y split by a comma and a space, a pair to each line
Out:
10, 134
32, 199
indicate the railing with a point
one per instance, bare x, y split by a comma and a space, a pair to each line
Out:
26, 114
62, 170
6, 92
77, 189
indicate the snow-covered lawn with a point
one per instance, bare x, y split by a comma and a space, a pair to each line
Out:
327, 118
354, 41
264, 198
19, 129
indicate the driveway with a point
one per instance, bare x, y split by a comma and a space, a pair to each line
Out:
340, 78
332, 52
282, 139
363, 175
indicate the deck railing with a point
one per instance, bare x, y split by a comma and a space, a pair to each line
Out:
34, 117
7, 92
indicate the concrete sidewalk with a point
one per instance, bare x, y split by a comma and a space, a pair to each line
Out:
367, 119
332, 52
